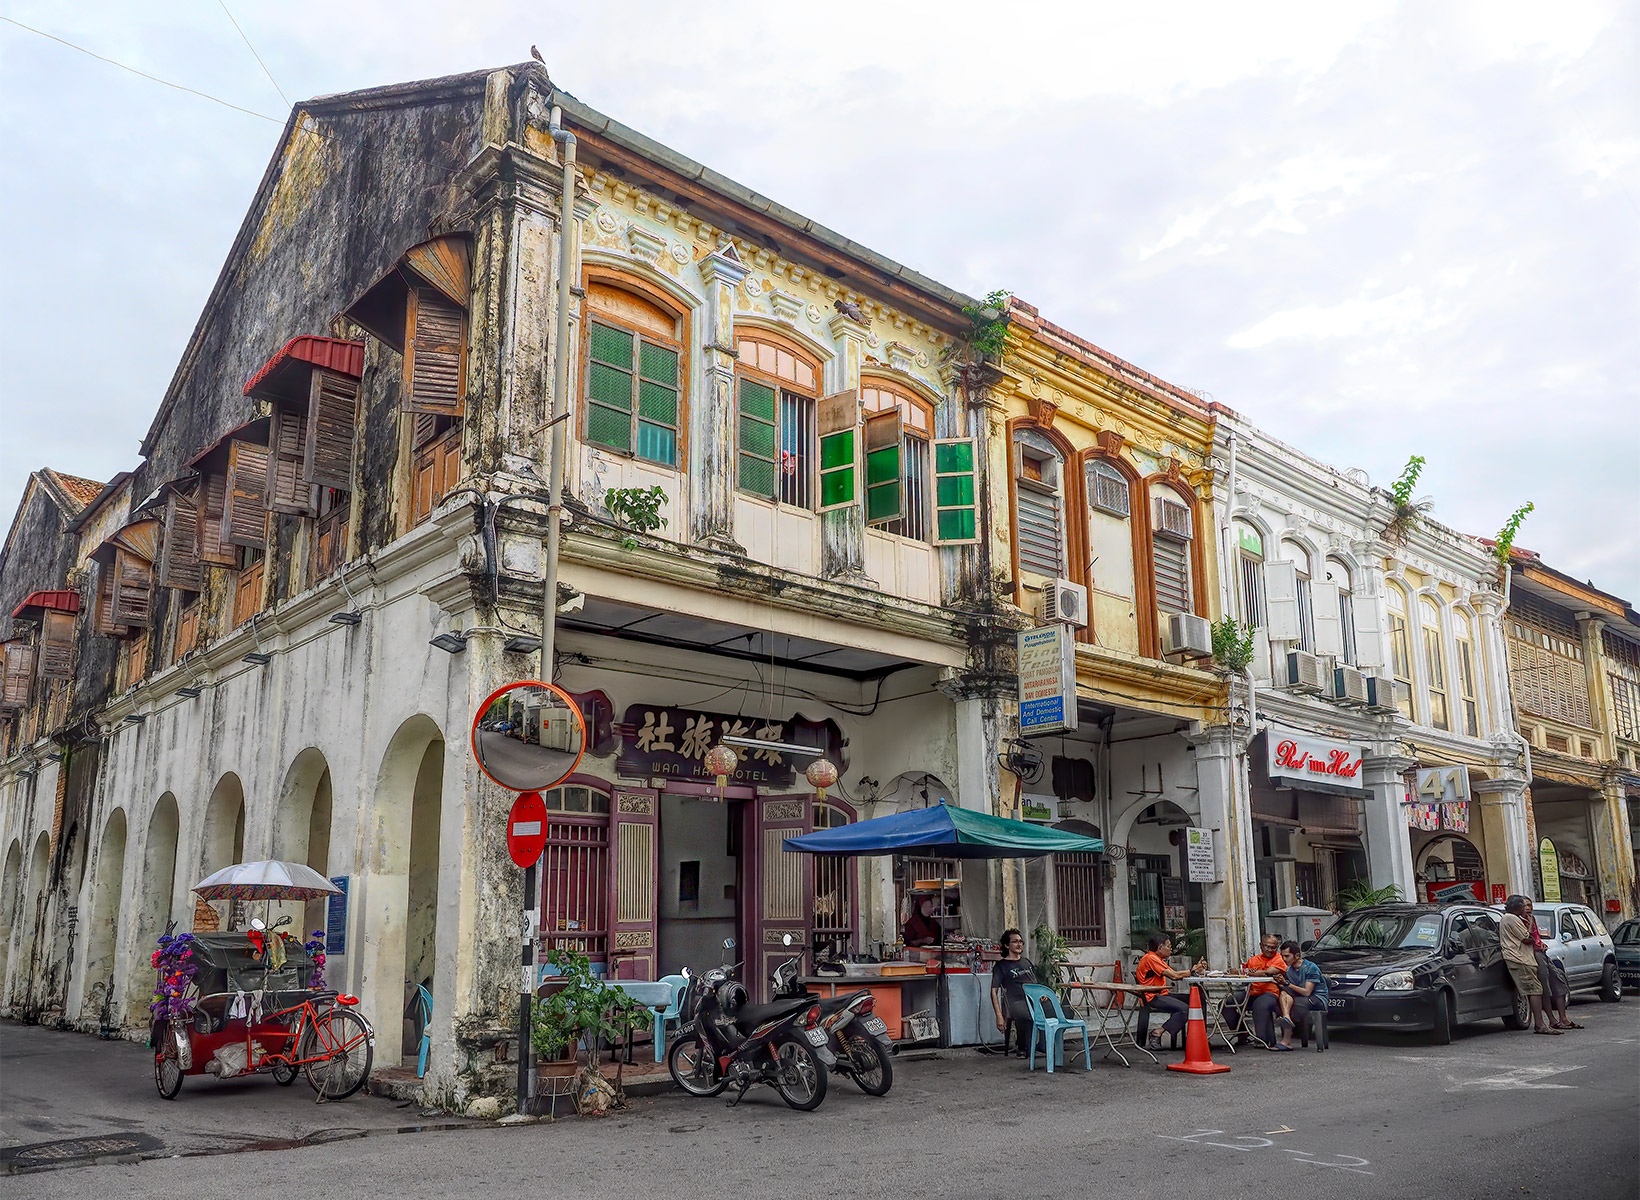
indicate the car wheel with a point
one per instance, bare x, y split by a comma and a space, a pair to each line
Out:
1611, 986
1441, 1033
1520, 1013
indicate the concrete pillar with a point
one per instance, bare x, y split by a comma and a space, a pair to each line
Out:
1229, 905
1498, 715
843, 530
1504, 832
712, 415
984, 723
1389, 846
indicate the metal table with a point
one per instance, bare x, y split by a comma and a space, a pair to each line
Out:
1110, 1012
1216, 990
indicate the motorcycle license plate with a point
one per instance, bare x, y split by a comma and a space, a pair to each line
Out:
874, 1025
817, 1037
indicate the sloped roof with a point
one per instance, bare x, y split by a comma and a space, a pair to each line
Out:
78, 488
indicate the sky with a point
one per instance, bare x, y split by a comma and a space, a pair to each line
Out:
1374, 229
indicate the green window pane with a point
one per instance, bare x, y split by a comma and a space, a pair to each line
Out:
657, 403
954, 491
883, 466
883, 502
609, 427
956, 525
658, 363
836, 487
756, 401
606, 385
837, 450
611, 345
953, 457
756, 476
757, 437
657, 443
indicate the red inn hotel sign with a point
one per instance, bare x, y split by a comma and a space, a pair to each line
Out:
1300, 761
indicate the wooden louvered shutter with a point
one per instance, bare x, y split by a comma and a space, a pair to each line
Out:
57, 645
179, 565
103, 619
214, 548
287, 443
434, 354
247, 485
333, 402
19, 674
133, 588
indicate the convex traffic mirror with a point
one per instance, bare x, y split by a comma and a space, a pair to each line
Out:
528, 736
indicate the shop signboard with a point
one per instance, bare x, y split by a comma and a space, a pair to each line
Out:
336, 917
1047, 680
672, 742
1038, 809
1199, 855
1316, 763
1549, 866
1173, 911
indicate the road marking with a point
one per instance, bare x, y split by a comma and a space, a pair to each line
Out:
1516, 1079
1283, 1129
1346, 1162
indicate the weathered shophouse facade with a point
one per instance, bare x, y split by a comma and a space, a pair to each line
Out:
1574, 663
1103, 522
331, 551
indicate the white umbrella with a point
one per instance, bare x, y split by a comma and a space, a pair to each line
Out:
268, 880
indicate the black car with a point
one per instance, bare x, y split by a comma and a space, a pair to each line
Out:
1626, 945
1417, 967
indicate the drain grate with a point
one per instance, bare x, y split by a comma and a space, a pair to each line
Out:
68, 1150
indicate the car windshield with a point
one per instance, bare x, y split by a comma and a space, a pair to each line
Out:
1381, 930
1628, 934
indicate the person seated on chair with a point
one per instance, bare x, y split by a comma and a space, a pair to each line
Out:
1008, 979
1304, 990
1154, 971
1263, 998
920, 928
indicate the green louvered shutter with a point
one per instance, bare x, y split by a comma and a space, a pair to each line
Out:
956, 491
756, 440
885, 489
609, 387
838, 421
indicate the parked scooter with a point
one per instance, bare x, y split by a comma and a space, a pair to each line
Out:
724, 1041
859, 1038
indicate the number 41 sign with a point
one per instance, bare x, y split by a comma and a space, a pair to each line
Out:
1443, 785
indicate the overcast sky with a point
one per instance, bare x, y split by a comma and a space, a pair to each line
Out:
1375, 229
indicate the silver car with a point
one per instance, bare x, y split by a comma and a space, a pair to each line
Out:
1577, 939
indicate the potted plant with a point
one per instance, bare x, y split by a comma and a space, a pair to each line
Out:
576, 1017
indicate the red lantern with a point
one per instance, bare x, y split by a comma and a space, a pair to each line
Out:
821, 775
721, 761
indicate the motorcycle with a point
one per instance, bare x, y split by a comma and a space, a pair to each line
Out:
725, 1041
858, 1037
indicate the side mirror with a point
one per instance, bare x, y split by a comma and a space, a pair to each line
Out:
1565, 937
684, 972
256, 924
1307, 946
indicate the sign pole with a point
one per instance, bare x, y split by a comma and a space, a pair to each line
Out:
526, 997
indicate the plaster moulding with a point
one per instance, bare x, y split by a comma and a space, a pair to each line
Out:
1043, 411
644, 244
785, 305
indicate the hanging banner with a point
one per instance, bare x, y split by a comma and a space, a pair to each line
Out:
1047, 680
1549, 865
1199, 858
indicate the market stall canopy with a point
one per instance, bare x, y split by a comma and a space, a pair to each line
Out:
267, 880
945, 832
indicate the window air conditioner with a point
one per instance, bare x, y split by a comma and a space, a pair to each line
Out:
1065, 602
1380, 694
1172, 518
1349, 686
1278, 841
1189, 636
1305, 674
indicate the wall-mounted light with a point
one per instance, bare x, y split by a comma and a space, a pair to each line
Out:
354, 614
26, 773
257, 657
451, 643
522, 643
747, 743
54, 757
346, 618
135, 718
190, 691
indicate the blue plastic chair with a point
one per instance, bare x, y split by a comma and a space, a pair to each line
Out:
1049, 1020
672, 1012
424, 1001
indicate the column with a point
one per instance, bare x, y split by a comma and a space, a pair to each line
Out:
843, 530
1499, 716
985, 721
1507, 839
712, 414
1389, 846
1230, 904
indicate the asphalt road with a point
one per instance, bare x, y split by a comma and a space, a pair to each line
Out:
522, 766
1494, 1115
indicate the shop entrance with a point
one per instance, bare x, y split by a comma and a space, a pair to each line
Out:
1449, 863
699, 880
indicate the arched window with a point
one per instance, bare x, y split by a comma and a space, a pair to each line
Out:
1294, 553
1429, 618
916, 426
778, 390
1171, 529
1400, 648
1108, 489
634, 374
1039, 516
1463, 630
1338, 574
1250, 574
1110, 529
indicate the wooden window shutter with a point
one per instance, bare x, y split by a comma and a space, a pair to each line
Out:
838, 424
332, 417
102, 620
435, 354
57, 645
179, 564
247, 486
956, 491
212, 501
133, 588
19, 674
884, 467
287, 443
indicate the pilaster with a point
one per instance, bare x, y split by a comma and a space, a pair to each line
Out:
1506, 831
1230, 905
1389, 845
712, 416
842, 530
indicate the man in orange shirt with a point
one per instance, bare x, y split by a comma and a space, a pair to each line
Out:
1153, 972
1263, 999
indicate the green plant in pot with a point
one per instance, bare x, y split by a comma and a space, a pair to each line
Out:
1052, 957
579, 1014
1359, 893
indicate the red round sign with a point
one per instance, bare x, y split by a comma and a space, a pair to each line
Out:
527, 829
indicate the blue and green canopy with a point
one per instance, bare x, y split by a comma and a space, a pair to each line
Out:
942, 831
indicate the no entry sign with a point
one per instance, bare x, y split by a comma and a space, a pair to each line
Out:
527, 829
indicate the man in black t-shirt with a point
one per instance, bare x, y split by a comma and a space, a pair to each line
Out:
1008, 979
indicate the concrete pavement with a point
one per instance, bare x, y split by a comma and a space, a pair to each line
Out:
1496, 1114
522, 766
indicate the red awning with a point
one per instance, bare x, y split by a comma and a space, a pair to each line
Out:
68, 602
285, 375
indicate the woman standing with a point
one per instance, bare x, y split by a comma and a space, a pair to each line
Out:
1553, 975
1008, 980
1520, 956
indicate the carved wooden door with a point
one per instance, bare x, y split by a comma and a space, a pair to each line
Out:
634, 838
784, 895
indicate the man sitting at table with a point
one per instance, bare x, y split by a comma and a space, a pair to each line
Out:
1153, 971
1303, 991
1263, 998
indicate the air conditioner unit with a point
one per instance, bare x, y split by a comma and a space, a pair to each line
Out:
1278, 841
1380, 694
1065, 602
1189, 636
1306, 674
1172, 518
1349, 686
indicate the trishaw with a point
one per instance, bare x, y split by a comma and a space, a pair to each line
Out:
246, 1004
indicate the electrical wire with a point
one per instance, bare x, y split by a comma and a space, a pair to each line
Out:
255, 55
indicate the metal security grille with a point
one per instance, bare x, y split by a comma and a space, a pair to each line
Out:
1252, 591
1080, 900
1173, 575
1626, 700
798, 438
914, 500
833, 884
1041, 534
1110, 489
575, 881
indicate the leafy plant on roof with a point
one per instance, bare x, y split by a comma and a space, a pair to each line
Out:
638, 509
987, 334
1232, 645
1407, 511
1506, 537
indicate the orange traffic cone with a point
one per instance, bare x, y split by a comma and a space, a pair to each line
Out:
1198, 1055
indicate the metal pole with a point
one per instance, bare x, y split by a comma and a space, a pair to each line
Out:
526, 996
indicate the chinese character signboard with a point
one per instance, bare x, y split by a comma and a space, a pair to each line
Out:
1047, 680
672, 742
1199, 855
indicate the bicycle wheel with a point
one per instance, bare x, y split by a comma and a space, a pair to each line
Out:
343, 1044
167, 1066
693, 1068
